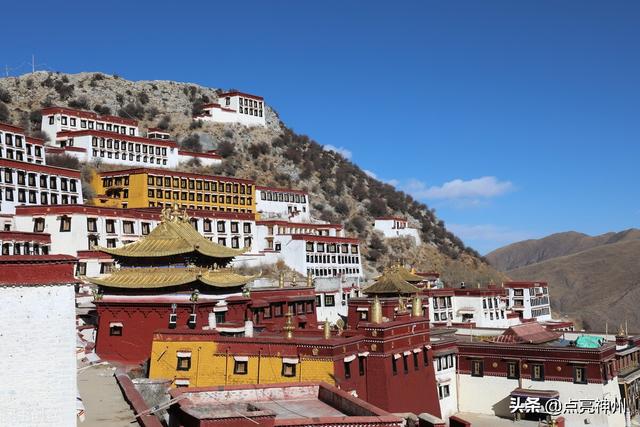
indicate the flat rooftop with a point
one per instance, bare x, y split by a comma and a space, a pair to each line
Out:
284, 402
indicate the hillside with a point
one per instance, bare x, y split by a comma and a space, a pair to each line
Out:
275, 155
533, 251
587, 275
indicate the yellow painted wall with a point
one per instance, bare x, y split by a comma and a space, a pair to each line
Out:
139, 195
210, 368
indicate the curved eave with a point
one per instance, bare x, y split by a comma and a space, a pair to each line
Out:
126, 252
166, 279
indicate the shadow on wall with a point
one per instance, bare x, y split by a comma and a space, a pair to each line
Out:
501, 408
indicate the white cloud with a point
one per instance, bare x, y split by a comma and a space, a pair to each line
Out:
340, 150
474, 189
370, 174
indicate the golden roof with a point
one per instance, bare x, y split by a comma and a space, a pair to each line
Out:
391, 282
159, 277
173, 236
405, 274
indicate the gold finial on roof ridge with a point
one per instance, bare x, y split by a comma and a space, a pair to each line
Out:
174, 214
416, 306
376, 310
288, 327
326, 329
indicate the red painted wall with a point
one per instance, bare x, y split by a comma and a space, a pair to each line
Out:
414, 391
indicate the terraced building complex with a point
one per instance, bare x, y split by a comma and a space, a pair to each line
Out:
146, 187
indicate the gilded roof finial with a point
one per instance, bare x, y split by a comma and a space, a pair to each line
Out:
174, 214
416, 306
288, 327
402, 305
309, 279
376, 310
281, 280
620, 331
326, 329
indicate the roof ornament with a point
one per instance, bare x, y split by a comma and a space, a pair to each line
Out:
376, 310
402, 305
288, 327
174, 214
326, 329
309, 279
416, 306
281, 280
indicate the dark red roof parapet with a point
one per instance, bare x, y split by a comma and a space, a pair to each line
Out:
35, 270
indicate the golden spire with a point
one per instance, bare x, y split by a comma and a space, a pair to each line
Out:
294, 280
326, 329
402, 305
174, 214
309, 279
621, 331
376, 310
416, 306
288, 327
281, 280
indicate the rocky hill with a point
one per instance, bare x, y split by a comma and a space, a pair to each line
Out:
593, 279
274, 155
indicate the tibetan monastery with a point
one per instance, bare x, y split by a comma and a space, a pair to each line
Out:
173, 278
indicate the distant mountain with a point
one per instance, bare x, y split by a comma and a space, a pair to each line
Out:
595, 280
533, 251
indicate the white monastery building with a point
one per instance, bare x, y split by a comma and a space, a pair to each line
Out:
77, 230
319, 249
59, 119
235, 107
529, 299
24, 183
38, 334
24, 243
282, 203
114, 140
392, 226
332, 296
15, 145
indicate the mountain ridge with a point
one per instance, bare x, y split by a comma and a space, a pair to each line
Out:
587, 275
273, 155
532, 251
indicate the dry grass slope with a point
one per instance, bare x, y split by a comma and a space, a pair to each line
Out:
596, 286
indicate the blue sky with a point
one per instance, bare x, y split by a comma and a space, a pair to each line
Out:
513, 119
